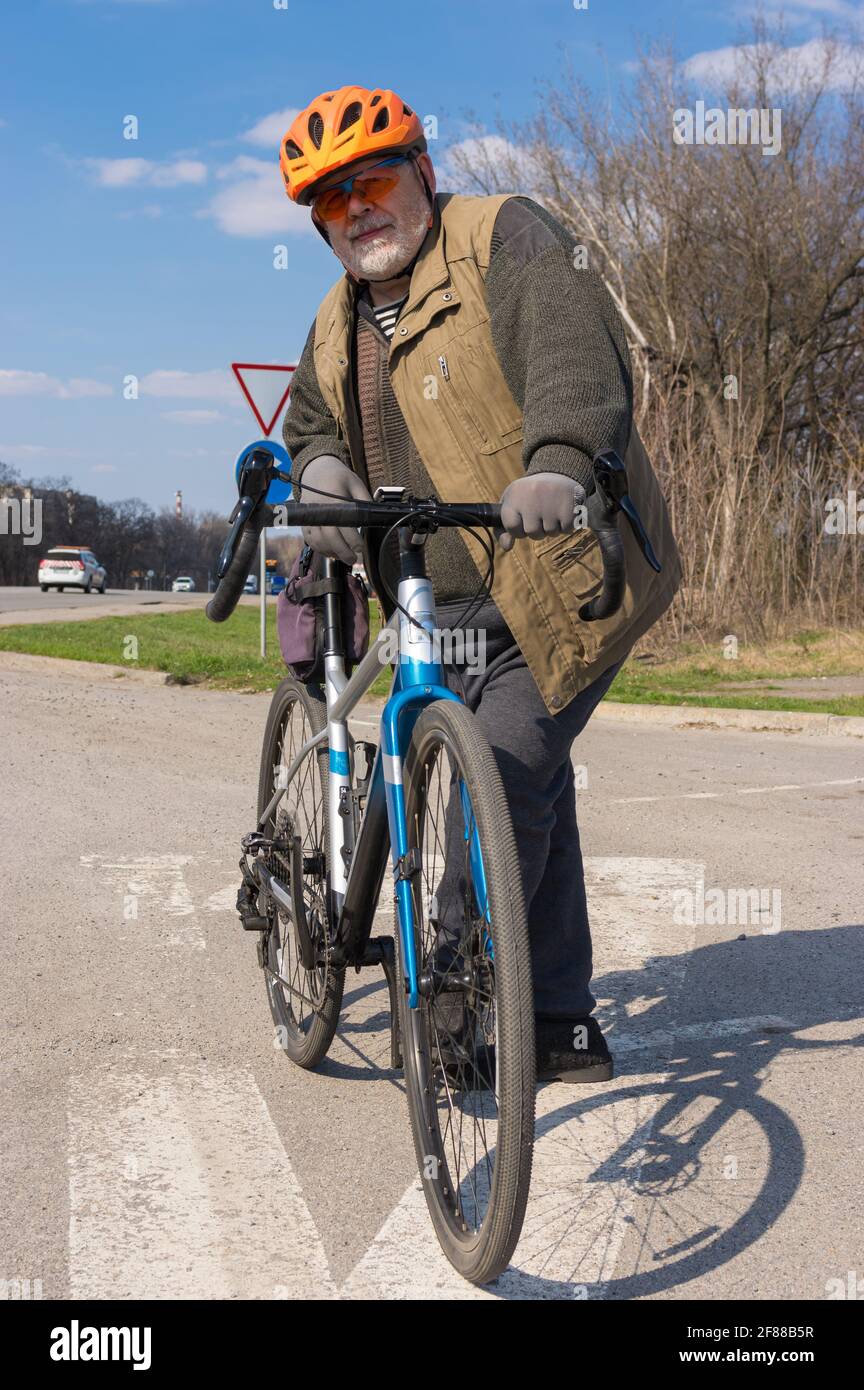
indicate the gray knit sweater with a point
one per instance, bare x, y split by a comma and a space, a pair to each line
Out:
562, 350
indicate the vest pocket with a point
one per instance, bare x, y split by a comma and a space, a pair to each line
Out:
474, 398
576, 558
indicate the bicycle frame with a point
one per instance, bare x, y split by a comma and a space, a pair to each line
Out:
357, 857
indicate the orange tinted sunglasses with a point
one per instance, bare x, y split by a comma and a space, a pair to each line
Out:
331, 205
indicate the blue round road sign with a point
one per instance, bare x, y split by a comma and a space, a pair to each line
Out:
277, 491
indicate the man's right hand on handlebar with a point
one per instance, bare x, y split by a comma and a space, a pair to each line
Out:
538, 505
336, 483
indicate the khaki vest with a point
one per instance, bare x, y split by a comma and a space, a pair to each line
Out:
468, 431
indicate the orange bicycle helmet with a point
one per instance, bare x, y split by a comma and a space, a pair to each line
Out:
339, 128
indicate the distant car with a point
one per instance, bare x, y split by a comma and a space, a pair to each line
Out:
183, 584
251, 585
276, 583
72, 567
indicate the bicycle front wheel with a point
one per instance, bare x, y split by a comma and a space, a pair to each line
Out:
469, 1044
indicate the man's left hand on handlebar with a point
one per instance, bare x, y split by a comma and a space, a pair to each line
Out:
326, 478
538, 505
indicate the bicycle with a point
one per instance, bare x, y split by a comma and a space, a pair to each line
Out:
329, 810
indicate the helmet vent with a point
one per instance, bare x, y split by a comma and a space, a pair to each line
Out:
351, 115
407, 110
292, 151
382, 120
375, 100
316, 129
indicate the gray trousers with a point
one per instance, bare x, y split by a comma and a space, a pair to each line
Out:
532, 751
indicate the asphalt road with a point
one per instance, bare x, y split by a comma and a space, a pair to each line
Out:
159, 1144
27, 603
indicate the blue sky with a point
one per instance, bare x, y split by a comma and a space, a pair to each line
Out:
154, 257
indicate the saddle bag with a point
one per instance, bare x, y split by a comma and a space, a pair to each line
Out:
300, 617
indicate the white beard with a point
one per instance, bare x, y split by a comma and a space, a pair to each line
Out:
388, 253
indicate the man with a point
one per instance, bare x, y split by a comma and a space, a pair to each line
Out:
465, 354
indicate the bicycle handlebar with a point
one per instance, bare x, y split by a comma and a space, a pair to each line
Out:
601, 520
252, 514
224, 601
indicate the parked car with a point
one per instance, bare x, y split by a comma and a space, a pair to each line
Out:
72, 567
276, 583
251, 585
183, 584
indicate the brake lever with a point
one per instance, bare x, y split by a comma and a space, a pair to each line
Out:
256, 474
240, 515
610, 478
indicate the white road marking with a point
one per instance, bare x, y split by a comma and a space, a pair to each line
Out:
156, 882
165, 1171
179, 1188
737, 791
578, 1216
225, 899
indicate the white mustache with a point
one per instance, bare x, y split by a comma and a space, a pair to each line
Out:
364, 231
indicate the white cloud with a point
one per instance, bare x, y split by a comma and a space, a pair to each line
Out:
23, 383
254, 202
216, 384
791, 69
270, 129
245, 164
799, 11
494, 156
193, 417
9, 449
104, 468
124, 173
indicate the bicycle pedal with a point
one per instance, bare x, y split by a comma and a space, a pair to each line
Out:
247, 909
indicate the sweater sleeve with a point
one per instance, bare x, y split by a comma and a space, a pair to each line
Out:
560, 343
308, 427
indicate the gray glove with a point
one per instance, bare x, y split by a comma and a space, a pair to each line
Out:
331, 475
538, 505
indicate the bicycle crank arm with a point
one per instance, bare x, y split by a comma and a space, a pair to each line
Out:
291, 902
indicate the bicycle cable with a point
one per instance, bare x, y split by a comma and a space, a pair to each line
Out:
478, 598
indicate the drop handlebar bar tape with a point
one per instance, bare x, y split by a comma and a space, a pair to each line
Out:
602, 518
224, 601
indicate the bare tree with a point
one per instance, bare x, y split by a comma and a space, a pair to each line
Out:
739, 277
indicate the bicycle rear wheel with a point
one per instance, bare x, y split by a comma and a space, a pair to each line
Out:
305, 1003
469, 1045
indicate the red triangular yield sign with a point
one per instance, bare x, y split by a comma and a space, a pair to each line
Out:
271, 387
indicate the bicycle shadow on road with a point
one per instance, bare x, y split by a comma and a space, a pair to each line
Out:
640, 1187
362, 1044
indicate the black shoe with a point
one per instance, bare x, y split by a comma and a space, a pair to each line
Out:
572, 1050
559, 1056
